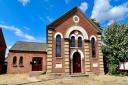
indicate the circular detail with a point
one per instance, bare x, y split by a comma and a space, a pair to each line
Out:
76, 33
76, 19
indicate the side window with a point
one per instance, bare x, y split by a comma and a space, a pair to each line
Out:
93, 47
21, 60
79, 42
72, 41
58, 46
14, 60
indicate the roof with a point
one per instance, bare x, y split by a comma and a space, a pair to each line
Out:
71, 12
2, 40
29, 46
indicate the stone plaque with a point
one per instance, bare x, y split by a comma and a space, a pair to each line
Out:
95, 65
58, 65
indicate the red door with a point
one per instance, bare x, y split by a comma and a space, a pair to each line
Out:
37, 64
76, 63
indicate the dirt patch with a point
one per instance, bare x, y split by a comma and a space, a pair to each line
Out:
13, 78
108, 78
25, 79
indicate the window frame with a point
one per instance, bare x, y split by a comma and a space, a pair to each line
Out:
21, 60
58, 46
79, 42
14, 62
93, 47
71, 41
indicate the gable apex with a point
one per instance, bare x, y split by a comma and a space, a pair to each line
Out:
68, 14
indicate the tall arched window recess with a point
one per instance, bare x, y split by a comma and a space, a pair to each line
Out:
72, 41
93, 41
14, 60
21, 60
79, 42
58, 46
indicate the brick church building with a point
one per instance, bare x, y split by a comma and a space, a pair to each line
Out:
2, 51
73, 46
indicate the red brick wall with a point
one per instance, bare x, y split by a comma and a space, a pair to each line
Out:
27, 58
90, 29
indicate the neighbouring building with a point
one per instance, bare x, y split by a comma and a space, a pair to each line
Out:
25, 57
2, 50
73, 46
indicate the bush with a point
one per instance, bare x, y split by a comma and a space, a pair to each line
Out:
113, 69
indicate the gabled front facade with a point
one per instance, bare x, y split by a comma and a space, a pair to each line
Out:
74, 45
2, 50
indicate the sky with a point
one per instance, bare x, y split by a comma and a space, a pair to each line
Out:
26, 20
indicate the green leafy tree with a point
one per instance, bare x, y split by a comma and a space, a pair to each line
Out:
96, 23
115, 46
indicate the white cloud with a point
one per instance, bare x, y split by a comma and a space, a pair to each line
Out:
18, 32
24, 2
104, 11
83, 6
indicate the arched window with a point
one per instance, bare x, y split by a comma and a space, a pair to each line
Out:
58, 46
93, 47
72, 41
79, 42
21, 60
14, 60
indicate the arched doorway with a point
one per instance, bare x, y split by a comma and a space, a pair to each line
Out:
76, 63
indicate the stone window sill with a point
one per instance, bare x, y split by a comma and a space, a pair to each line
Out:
21, 65
75, 47
14, 65
58, 57
94, 58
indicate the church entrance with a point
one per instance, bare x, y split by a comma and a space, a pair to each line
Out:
76, 63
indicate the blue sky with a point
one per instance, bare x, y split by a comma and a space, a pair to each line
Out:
26, 20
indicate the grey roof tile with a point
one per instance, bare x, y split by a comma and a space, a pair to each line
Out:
29, 46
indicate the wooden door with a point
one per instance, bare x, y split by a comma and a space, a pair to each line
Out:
37, 64
76, 63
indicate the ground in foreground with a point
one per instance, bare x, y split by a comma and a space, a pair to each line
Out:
25, 79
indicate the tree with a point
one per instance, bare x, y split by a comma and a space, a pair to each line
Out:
96, 23
115, 46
